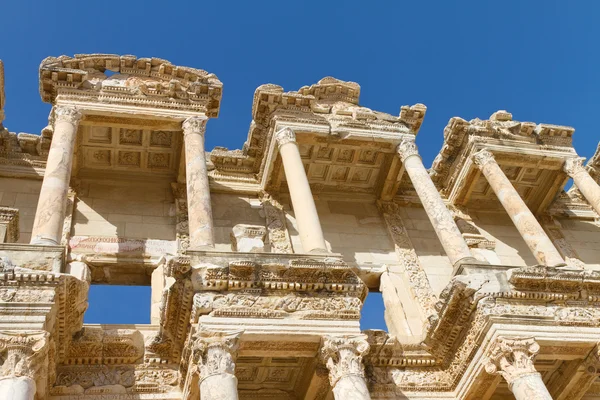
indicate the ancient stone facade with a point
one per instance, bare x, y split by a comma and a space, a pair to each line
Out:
260, 259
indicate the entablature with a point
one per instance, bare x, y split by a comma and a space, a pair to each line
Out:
531, 156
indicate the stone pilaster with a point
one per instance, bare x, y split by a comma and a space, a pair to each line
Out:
528, 226
343, 356
585, 183
200, 220
513, 359
309, 226
25, 369
441, 218
50, 212
215, 353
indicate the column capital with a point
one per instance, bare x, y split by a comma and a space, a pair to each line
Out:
574, 165
68, 114
215, 352
343, 356
482, 157
196, 124
24, 353
284, 136
407, 148
512, 358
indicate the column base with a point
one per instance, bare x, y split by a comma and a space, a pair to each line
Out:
457, 268
318, 251
42, 241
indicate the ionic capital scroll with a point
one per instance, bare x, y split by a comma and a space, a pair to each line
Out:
196, 124
215, 352
68, 114
284, 136
343, 356
512, 358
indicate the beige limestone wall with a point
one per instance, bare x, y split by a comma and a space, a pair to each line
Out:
353, 228
22, 194
230, 210
584, 238
431, 254
126, 209
511, 249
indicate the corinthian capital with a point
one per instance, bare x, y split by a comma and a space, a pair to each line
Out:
24, 353
343, 356
573, 166
285, 135
407, 148
195, 124
215, 352
67, 114
483, 157
512, 358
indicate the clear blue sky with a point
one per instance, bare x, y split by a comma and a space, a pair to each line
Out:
537, 59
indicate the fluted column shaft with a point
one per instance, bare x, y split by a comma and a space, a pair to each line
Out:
200, 221
50, 212
528, 226
309, 226
343, 358
513, 359
443, 223
587, 185
215, 354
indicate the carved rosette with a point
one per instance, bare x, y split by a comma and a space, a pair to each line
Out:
482, 157
195, 125
573, 166
214, 353
285, 136
407, 148
343, 356
24, 353
67, 114
512, 358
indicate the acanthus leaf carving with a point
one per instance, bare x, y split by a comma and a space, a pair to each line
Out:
512, 358
215, 352
343, 356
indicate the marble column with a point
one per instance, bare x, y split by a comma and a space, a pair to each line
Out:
513, 359
50, 213
309, 226
528, 226
441, 218
215, 353
587, 185
343, 357
200, 220
25, 365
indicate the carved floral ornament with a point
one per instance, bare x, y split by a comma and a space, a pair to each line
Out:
512, 358
23, 353
67, 114
574, 166
343, 356
482, 157
215, 352
407, 148
285, 136
195, 124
